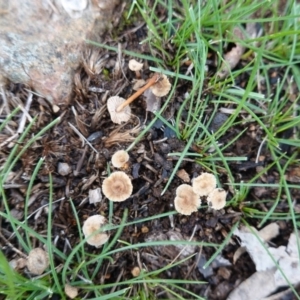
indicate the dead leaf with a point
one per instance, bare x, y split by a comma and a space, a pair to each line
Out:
183, 175
269, 232
238, 253
89, 181
293, 175
152, 102
232, 58
257, 286
138, 84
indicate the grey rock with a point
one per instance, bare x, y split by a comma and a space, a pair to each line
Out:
41, 44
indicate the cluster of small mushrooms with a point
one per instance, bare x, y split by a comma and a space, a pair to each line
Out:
118, 187
188, 198
158, 84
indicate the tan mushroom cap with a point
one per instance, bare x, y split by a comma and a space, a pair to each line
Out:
119, 158
71, 291
37, 261
217, 198
186, 201
136, 271
91, 225
117, 187
118, 117
135, 65
204, 184
161, 87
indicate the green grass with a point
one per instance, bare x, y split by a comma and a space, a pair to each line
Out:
193, 29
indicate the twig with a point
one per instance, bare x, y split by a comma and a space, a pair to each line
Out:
154, 79
5, 101
12, 247
259, 149
28, 217
80, 162
81, 136
181, 251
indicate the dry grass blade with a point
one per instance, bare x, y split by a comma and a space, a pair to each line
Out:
92, 62
97, 116
117, 136
81, 126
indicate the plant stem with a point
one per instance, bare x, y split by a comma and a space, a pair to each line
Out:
151, 81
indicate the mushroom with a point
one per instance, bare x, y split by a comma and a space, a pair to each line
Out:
119, 159
71, 291
91, 225
136, 271
153, 81
204, 184
136, 67
186, 200
162, 87
117, 187
118, 115
37, 261
217, 198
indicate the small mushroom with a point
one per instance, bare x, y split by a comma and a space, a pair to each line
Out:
71, 291
186, 201
136, 271
162, 87
136, 67
18, 263
119, 159
91, 225
118, 115
37, 261
117, 187
217, 198
204, 184
153, 81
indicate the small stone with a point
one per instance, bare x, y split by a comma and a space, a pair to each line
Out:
64, 169
95, 196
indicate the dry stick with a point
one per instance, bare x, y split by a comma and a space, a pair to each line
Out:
154, 79
12, 246
191, 237
80, 162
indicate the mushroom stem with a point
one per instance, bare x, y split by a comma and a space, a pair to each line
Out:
151, 81
138, 74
